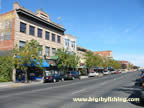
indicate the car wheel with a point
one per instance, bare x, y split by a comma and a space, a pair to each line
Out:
54, 80
43, 81
62, 79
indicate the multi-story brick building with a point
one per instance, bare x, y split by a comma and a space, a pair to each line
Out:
70, 43
21, 25
104, 53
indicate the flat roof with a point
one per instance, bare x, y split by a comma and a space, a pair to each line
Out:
23, 11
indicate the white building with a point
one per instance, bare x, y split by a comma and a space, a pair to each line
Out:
70, 43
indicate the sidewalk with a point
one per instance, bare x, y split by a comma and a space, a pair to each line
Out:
12, 84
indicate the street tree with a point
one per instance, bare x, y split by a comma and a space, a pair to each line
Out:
114, 63
24, 57
89, 60
66, 60
6, 68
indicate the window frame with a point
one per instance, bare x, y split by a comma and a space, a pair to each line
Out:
58, 39
67, 45
20, 43
53, 53
73, 44
47, 54
53, 37
47, 35
39, 33
31, 31
41, 52
23, 27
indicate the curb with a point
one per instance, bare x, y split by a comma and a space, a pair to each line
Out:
14, 85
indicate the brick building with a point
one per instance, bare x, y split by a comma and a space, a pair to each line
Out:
21, 25
104, 53
125, 64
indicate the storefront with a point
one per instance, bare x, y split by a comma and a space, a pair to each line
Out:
34, 73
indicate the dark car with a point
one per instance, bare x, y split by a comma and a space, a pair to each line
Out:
142, 92
72, 75
52, 76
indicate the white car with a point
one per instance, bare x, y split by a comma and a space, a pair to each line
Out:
106, 73
93, 74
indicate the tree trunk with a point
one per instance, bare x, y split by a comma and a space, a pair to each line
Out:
26, 76
14, 75
87, 71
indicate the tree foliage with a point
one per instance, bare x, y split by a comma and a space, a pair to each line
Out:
92, 60
100, 61
6, 67
24, 57
66, 60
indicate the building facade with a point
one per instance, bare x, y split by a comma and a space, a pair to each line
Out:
21, 25
126, 64
70, 43
81, 54
107, 54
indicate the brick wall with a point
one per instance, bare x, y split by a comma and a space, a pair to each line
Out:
7, 44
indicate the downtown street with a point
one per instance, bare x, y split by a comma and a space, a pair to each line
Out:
61, 94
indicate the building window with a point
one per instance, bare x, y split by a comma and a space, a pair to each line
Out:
47, 35
53, 51
73, 44
47, 51
53, 37
31, 30
67, 43
22, 44
40, 33
59, 39
22, 27
40, 52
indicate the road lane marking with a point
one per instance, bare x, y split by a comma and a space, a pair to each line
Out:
78, 91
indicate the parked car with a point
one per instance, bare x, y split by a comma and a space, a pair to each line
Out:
93, 74
142, 78
52, 76
106, 72
113, 72
142, 92
72, 75
142, 71
117, 72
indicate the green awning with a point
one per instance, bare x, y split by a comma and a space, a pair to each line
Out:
54, 57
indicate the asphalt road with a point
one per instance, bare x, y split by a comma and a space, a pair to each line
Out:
61, 94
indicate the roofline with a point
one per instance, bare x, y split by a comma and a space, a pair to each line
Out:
104, 51
20, 10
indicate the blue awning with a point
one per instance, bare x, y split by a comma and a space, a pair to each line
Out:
44, 64
33, 62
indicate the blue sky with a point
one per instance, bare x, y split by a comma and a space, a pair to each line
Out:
116, 25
